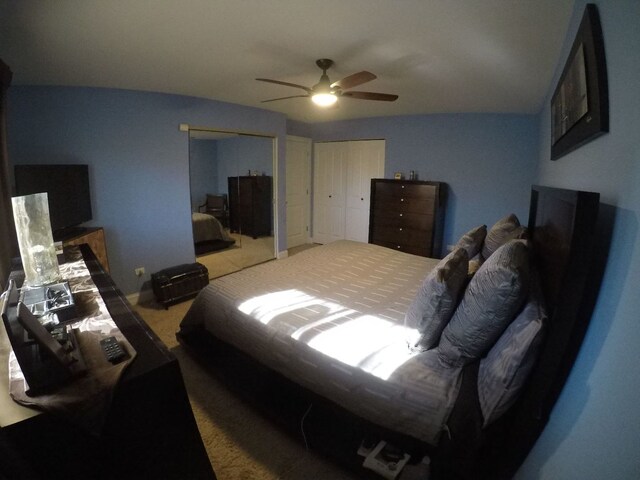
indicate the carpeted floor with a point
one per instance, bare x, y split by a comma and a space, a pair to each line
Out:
242, 444
245, 252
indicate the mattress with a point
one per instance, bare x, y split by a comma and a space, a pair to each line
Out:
332, 319
207, 228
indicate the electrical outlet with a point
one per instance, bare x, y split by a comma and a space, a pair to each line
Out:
139, 271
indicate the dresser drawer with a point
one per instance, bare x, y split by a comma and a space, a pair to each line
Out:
407, 190
395, 219
402, 235
422, 250
404, 204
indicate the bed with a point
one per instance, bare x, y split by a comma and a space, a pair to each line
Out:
336, 320
208, 233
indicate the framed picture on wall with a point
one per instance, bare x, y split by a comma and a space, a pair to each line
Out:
580, 102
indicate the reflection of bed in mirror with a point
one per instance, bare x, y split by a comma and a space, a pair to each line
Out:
209, 234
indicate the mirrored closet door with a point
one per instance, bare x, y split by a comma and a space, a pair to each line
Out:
231, 176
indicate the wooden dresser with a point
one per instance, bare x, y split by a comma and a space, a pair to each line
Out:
94, 237
150, 431
250, 205
407, 215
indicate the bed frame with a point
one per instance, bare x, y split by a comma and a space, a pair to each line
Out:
563, 226
563, 230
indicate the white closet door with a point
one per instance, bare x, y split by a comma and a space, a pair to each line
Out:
365, 161
298, 190
329, 191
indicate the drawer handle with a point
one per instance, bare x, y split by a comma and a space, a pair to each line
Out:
402, 186
398, 247
400, 228
402, 199
400, 214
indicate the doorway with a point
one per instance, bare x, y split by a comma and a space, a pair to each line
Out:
298, 201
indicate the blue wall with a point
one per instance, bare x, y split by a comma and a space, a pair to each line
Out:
594, 430
138, 161
212, 162
487, 160
132, 143
239, 155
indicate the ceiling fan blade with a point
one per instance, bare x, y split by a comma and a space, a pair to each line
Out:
354, 80
284, 98
287, 84
383, 97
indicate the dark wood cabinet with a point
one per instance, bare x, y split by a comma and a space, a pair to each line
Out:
407, 215
250, 205
94, 237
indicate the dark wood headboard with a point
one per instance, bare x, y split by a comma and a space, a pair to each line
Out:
563, 227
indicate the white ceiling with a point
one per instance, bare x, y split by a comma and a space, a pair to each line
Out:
437, 55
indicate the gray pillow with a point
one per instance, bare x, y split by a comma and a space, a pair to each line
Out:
501, 232
437, 298
472, 240
494, 295
505, 369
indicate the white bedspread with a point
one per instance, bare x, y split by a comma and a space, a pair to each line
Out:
332, 319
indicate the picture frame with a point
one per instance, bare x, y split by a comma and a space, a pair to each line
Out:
580, 102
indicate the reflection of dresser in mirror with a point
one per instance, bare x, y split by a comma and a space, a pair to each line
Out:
250, 205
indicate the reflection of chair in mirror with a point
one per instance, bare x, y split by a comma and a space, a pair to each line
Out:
216, 205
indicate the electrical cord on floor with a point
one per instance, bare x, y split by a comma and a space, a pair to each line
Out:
306, 446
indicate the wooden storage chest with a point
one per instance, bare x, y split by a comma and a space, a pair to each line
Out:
176, 284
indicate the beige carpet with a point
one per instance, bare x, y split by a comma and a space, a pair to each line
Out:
246, 252
241, 443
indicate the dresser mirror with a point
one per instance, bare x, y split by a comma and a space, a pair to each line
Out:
231, 182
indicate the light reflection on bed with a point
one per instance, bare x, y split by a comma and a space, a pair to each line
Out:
332, 319
372, 344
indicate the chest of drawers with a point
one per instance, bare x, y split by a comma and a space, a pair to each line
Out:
407, 215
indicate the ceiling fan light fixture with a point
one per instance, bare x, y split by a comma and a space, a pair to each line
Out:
325, 94
324, 99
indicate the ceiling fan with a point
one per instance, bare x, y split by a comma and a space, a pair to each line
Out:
325, 93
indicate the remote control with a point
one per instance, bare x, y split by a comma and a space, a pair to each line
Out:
112, 349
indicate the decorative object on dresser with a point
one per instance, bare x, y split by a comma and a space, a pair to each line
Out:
407, 215
94, 237
250, 205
